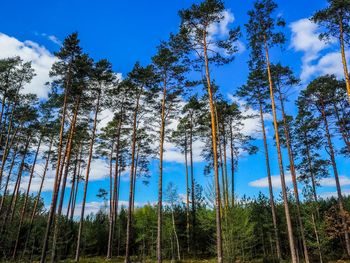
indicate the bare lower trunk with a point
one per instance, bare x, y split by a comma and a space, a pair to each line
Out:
336, 176
175, 234
193, 199
272, 201
215, 155
317, 238
160, 180
24, 207
294, 177
280, 162
64, 182
129, 218
55, 188
111, 207
187, 198
92, 141
37, 200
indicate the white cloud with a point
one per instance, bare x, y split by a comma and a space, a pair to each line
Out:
326, 195
41, 58
330, 181
317, 58
275, 179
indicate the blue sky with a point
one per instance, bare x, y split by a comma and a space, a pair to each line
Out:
128, 31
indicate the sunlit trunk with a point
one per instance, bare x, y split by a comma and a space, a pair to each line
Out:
280, 162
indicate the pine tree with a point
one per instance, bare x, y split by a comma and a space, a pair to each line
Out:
262, 35
336, 19
193, 38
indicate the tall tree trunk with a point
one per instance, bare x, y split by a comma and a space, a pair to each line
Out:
343, 57
68, 153
9, 176
215, 154
111, 206
56, 185
272, 201
342, 127
72, 188
175, 234
280, 161
232, 167
133, 148
160, 180
187, 198
223, 201
336, 176
7, 142
317, 238
92, 141
225, 162
294, 176
193, 197
74, 201
135, 177
37, 200
24, 207
13, 202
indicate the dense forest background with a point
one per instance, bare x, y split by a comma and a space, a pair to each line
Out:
176, 99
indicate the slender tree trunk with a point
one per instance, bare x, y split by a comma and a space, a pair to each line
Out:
193, 197
221, 162
187, 198
77, 183
272, 201
111, 206
92, 141
343, 57
37, 200
175, 234
225, 162
9, 176
160, 180
133, 148
24, 207
215, 155
72, 188
342, 127
280, 162
232, 167
294, 176
336, 176
135, 177
68, 153
56, 185
7, 142
317, 238
313, 179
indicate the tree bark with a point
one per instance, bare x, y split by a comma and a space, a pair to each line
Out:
268, 170
343, 57
187, 198
215, 155
92, 141
294, 176
336, 176
37, 200
280, 162
24, 207
133, 147
56, 185
160, 180
64, 182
